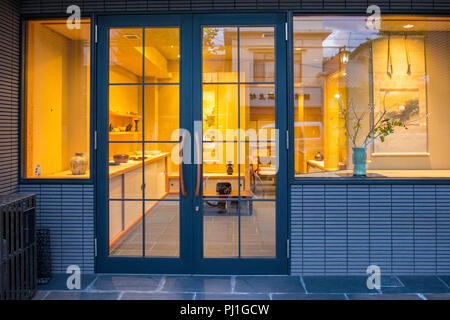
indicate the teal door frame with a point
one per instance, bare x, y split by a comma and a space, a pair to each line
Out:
191, 235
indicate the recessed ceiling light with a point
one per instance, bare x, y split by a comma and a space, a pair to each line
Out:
408, 26
171, 45
131, 36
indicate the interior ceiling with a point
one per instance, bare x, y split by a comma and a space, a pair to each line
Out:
126, 46
60, 27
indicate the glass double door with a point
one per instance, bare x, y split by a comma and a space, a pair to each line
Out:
191, 111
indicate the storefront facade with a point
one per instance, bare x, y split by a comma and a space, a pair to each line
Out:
263, 102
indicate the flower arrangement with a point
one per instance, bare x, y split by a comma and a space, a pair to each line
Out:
382, 126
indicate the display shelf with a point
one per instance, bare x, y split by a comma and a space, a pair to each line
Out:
118, 133
124, 115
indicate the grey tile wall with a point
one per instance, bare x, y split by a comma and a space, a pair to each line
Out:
9, 95
342, 229
68, 211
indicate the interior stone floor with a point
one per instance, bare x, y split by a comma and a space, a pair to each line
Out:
221, 231
198, 287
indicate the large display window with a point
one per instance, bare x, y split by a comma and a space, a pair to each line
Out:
381, 88
56, 100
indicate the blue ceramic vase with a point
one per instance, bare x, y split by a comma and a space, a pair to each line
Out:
359, 162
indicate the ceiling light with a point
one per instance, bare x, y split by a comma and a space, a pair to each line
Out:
131, 36
408, 26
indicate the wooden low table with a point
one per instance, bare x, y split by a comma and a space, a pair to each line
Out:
234, 197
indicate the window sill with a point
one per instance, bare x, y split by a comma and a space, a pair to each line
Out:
383, 174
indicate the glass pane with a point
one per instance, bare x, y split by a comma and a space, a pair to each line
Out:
161, 171
351, 80
125, 55
220, 61
162, 55
220, 112
162, 112
258, 111
257, 54
258, 232
162, 229
57, 100
220, 169
220, 229
259, 170
125, 113
125, 228
125, 171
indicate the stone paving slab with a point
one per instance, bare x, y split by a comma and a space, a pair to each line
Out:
196, 284
365, 296
268, 284
199, 287
157, 296
419, 284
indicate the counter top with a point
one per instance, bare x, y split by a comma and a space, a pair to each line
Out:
113, 170
122, 168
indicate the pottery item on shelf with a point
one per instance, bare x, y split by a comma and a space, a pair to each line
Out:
120, 158
342, 166
230, 168
136, 126
153, 152
78, 164
318, 156
128, 127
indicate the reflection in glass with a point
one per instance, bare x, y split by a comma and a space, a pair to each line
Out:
259, 170
125, 113
220, 165
257, 54
220, 111
220, 61
125, 228
125, 55
162, 55
258, 236
162, 112
220, 229
257, 111
162, 229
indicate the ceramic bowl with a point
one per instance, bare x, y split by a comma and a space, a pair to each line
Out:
120, 158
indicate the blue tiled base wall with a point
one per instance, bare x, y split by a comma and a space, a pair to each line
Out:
342, 229
68, 211
334, 229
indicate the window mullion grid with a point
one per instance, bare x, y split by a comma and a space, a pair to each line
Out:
143, 143
239, 138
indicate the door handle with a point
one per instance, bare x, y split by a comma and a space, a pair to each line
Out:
199, 166
183, 189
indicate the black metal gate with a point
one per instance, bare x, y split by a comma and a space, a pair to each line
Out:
18, 272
